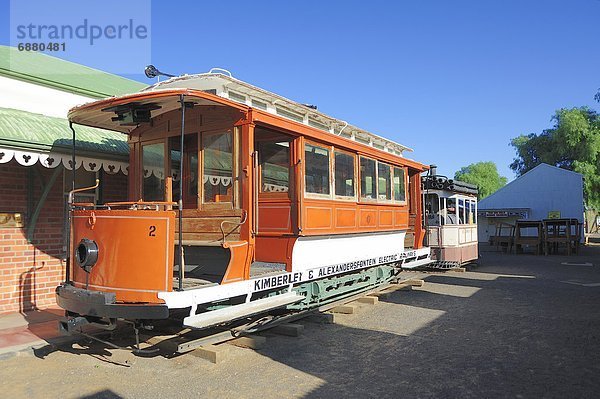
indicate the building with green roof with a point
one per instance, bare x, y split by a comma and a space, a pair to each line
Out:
36, 93
38, 90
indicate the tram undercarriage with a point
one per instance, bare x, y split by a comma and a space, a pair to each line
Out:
225, 319
247, 298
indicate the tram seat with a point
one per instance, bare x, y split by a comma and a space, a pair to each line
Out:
203, 227
205, 262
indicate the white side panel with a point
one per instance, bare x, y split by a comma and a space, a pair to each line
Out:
434, 234
38, 99
450, 236
312, 258
315, 252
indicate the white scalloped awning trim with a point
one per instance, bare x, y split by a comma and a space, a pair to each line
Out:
274, 188
216, 180
52, 160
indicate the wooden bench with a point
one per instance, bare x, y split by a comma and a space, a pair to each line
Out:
201, 227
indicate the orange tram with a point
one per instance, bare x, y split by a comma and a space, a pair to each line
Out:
240, 202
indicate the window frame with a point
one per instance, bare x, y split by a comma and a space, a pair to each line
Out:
360, 197
353, 198
405, 173
391, 182
329, 149
166, 167
277, 194
201, 137
200, 192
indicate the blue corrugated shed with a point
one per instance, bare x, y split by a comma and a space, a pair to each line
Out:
543, 189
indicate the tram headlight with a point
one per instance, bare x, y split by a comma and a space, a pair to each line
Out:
86, 254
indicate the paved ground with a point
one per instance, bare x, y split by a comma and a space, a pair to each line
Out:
21, 331
517, 326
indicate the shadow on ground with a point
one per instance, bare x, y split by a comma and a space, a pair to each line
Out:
514, 336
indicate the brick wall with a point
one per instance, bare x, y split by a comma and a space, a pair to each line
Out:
29, 273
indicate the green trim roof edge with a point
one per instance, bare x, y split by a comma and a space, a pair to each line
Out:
75, 78
22, 130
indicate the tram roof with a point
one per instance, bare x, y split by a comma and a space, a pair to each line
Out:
226, 86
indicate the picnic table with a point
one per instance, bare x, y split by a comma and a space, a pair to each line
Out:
561, 231
534, 238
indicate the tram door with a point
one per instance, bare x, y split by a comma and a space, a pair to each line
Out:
276, 184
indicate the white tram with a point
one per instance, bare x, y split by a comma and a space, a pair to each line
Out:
450, 217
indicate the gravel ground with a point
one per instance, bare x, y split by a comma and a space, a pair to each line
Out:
519, 326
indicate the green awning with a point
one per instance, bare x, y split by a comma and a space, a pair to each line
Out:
28, 131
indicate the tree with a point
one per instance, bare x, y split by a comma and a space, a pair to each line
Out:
484, 174
573, 143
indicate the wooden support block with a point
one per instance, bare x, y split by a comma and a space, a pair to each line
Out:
344, 309
414, 283
252, 342
157, 339
459, 269
289, 329
369, 300
211, 353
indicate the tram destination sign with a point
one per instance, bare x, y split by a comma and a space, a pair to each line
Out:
290, 278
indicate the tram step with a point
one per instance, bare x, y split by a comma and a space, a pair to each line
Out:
214, 317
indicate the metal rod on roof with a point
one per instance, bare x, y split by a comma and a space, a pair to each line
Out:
181, 266
342, 129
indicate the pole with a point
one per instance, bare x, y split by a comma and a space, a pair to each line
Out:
69, 210
180, 203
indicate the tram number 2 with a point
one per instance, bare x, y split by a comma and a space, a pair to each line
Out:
152, 231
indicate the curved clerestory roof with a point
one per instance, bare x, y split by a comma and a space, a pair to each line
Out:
226, 86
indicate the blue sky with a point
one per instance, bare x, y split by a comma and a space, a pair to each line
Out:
453, 80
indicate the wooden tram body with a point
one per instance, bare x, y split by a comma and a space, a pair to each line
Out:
240, 201
450, 216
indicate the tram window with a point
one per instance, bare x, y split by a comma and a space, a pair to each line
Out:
384, 180
432, 210
399, 187
344, 175
274, 159
450, 216
461, 211
368, 186
470, 211
217, 167
153, 161
190, 169
316, 161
